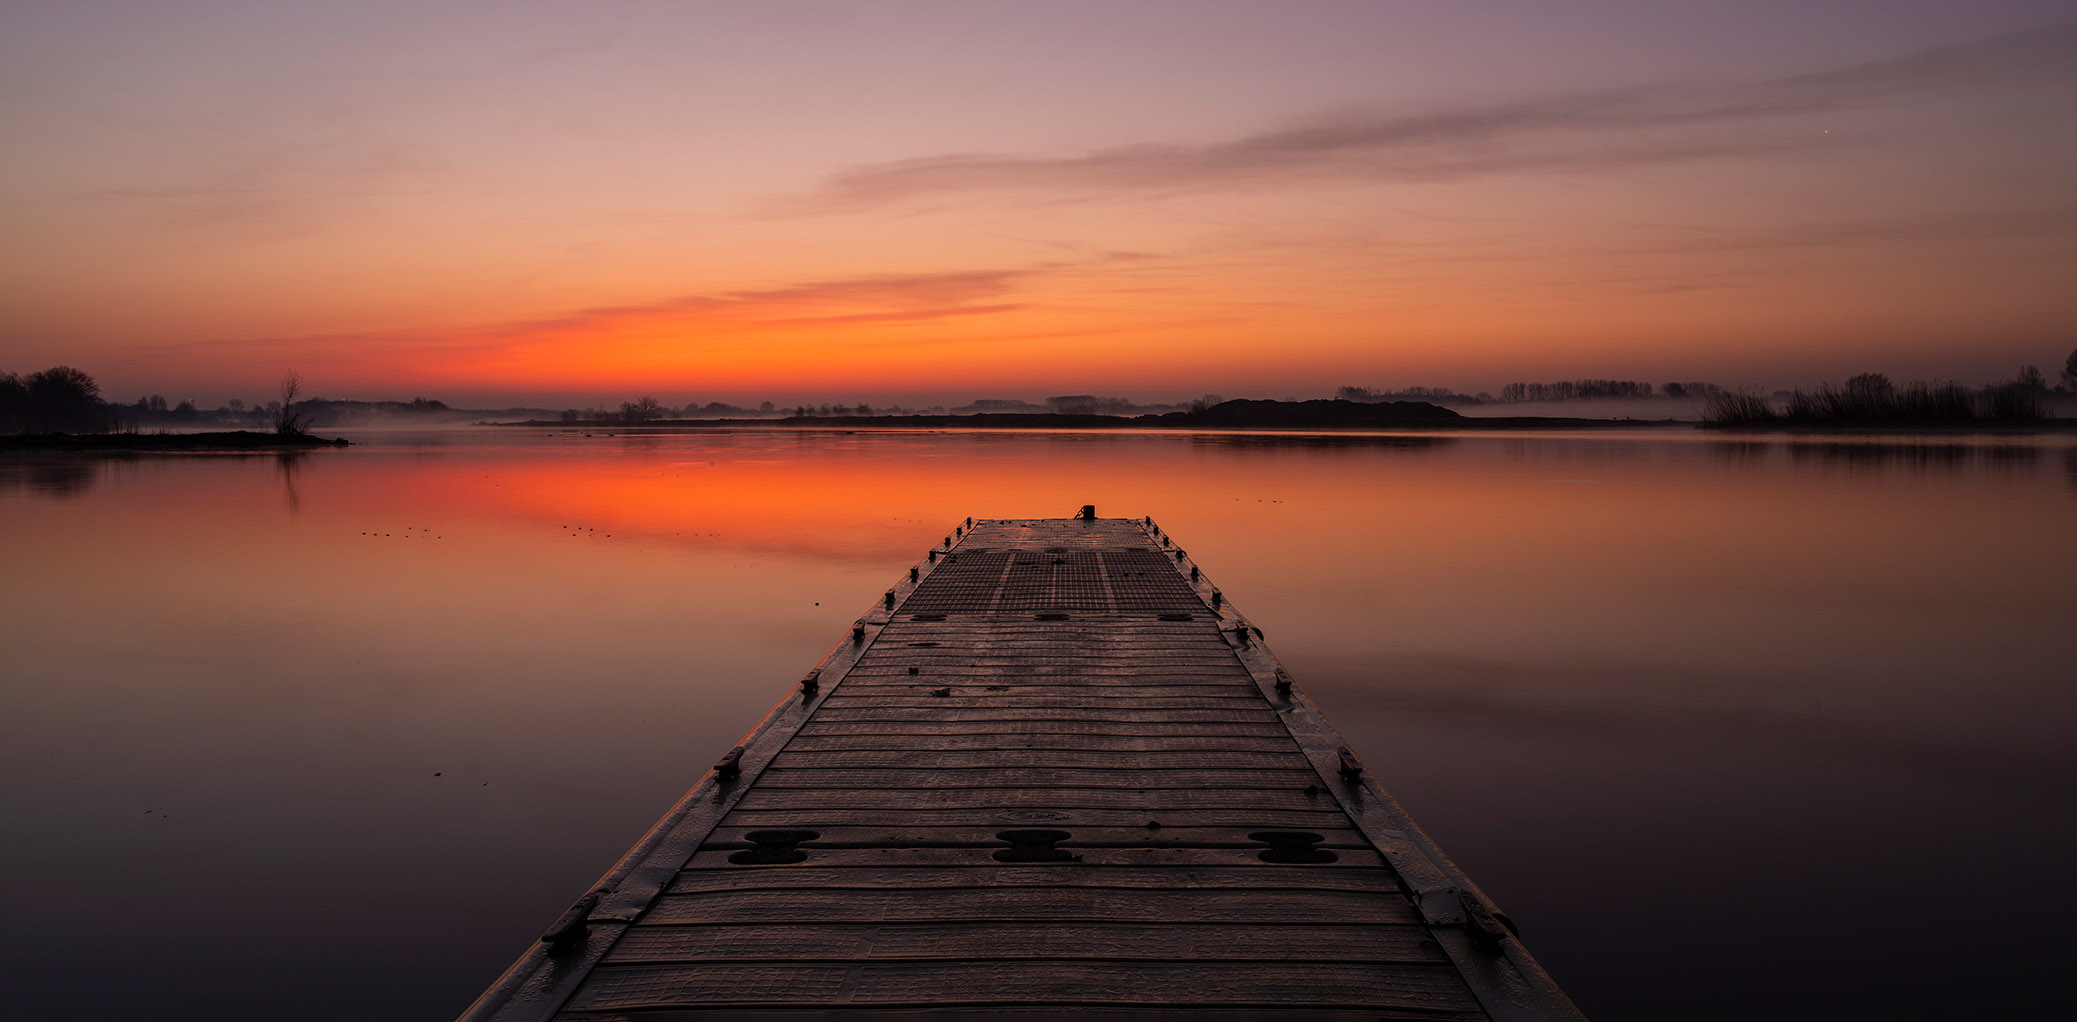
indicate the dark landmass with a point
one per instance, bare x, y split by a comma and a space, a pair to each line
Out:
1318, 414
240, 440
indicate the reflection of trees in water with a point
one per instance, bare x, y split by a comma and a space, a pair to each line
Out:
1542, 449
2010, 457
49, 477
1741, 454
1917, 457
73, 475
290, 464
1873, 456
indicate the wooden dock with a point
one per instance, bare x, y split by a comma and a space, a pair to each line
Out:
1053, 771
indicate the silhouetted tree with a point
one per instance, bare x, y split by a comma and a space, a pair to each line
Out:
65, 400
2069, 375
287, 420
14, 403
2031, 378
646, 409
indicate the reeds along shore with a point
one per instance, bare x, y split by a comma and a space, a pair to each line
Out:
1876, 403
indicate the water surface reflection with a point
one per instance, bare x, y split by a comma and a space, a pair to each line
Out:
1721, 721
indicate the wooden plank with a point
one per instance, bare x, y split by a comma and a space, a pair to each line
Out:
1256, 819
1064, 903
1143, 759
781, 776
1010, 728
1083, 855
955, 714
1154, 801
965, 941
808, 876
1435, 990
938, 742
730, 833
914, 692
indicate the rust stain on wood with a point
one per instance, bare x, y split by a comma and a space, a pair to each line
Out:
1052, 769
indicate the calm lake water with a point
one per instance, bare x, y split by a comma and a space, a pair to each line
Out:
1733, 727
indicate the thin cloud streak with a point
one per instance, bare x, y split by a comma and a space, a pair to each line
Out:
1607, 129
883, 298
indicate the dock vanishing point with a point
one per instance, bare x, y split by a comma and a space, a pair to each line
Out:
1053, 771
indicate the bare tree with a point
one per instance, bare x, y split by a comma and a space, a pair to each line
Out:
288, 421
648, 409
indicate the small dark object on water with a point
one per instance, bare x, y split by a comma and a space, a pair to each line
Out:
941, 692
1088, 512
915, 670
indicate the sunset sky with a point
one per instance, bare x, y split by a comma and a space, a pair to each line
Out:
568, 203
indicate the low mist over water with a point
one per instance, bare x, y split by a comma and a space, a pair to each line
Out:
335, 735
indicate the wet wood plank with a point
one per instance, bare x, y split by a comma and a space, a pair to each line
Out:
788, 904
1434, 990
808, 876
1257, 819
919, 854
947, 759
1154, 801
1029, 940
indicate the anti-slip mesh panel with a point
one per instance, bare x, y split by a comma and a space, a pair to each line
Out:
1024, 582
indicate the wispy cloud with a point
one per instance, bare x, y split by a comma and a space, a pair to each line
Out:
878, 298
1618, 127
913, 298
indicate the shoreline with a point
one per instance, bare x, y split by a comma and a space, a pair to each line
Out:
236, 440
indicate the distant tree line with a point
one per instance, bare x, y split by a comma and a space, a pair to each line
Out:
1598, 390
1516, 393
1872, 399
1433, 395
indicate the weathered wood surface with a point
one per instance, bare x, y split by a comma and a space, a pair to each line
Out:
1045, 775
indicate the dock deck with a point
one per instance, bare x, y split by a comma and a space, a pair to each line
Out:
1052, 771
